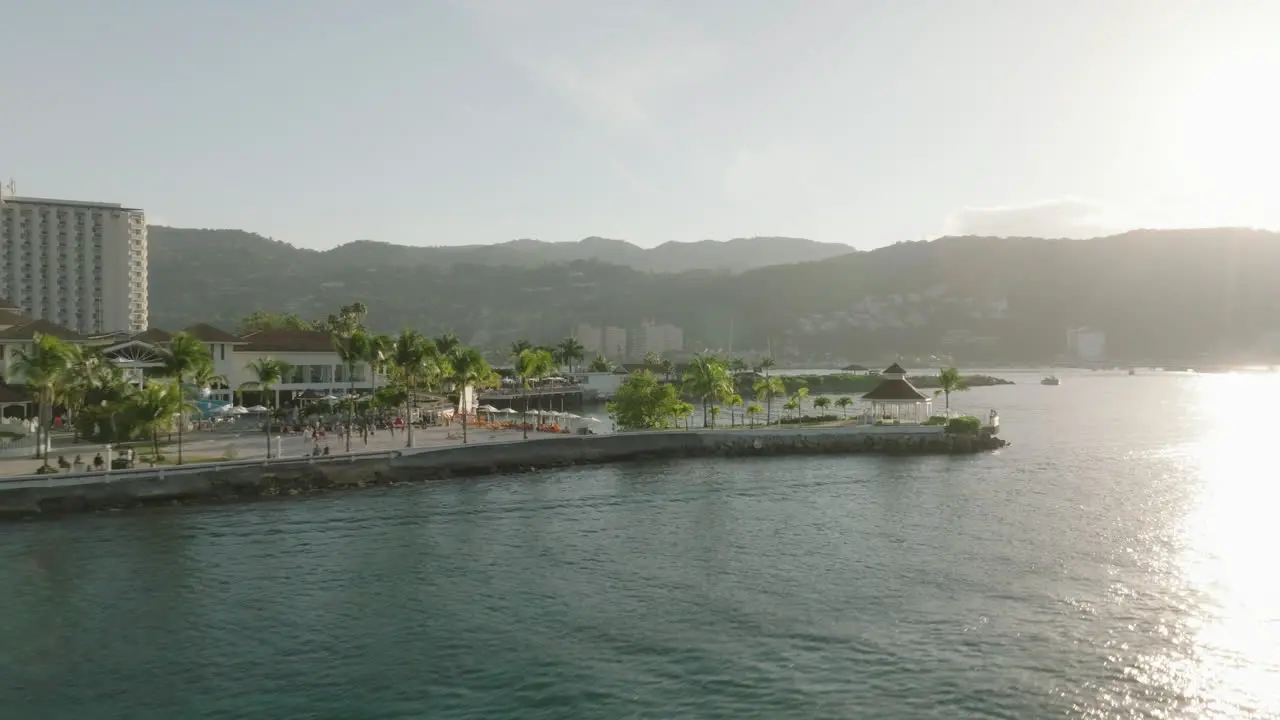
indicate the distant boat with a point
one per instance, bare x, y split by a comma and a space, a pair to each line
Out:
1051, 380
1132, 371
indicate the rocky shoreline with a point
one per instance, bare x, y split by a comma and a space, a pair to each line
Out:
200, 486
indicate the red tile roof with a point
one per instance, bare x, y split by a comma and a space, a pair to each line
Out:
152, 336
205, 332
10, 394
9, 318
28, 330
287, 341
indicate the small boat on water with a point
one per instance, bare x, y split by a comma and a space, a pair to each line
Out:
1132, 371
1051, 380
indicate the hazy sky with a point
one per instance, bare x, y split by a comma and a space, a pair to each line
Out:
448, 122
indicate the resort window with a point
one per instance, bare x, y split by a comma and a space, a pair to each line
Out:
315, 374
297, 374
339, 373
358, 373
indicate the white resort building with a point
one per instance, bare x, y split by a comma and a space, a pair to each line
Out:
313, 362
80, 265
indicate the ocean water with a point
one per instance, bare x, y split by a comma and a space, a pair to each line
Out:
1116, 561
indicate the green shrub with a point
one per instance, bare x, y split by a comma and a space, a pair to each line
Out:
936, 420
966, 425
809, 420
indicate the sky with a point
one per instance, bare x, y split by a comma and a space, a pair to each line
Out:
446, 122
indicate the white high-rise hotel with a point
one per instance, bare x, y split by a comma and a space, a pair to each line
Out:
81, 265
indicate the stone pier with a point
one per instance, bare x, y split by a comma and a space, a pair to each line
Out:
227, 482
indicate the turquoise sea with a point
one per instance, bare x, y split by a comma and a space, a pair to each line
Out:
1116, 561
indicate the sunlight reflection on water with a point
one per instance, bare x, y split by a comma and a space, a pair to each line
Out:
1224, 656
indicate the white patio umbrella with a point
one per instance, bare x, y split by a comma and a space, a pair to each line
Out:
239, 410
257, 409
509, 411
487, 408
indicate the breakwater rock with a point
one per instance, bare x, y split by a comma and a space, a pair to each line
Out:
247, 481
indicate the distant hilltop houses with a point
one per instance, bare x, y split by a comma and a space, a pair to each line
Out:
629, 344
905, 310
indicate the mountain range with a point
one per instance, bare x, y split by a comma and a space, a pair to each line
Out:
732, 255
1154, 293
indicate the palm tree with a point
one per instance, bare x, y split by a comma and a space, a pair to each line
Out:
448, 344
180, 360
518, 347
843, 403
768, 387
753, 412
767, 363
411, 356
737, 365
949, 381
43, 367
708, 379
530, 365
600, 364
468, 369
352, 350
714, 412
652, 360
571, 352
268, 372
668, 369
734, 401
379, 360
87, 371
683, 410
800, 394
822, 402
153, 407
792, 404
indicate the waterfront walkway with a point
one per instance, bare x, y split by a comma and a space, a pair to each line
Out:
206, 446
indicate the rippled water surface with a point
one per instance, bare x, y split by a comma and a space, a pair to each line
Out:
1116, 561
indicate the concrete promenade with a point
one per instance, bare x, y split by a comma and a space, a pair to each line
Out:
250, 479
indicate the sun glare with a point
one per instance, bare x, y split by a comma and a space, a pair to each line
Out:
1228, 145
1230, 537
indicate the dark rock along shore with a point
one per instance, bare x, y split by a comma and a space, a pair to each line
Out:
249, 482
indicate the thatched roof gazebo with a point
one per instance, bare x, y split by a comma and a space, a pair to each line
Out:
895, 398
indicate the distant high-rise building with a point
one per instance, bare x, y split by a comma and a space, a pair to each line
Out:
653, 338
609, 341
615, 343
1086, 344
81, 265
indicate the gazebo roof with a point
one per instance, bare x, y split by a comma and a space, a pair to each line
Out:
894, 369
895, 390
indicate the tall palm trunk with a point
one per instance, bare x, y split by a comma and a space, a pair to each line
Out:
351, 404
266, 395
464, 428
408, 411
182, 420
524, 421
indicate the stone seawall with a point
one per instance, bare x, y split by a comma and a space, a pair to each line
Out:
65, 494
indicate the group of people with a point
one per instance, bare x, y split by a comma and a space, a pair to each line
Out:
99, 463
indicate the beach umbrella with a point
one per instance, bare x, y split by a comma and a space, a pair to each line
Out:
257, 409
